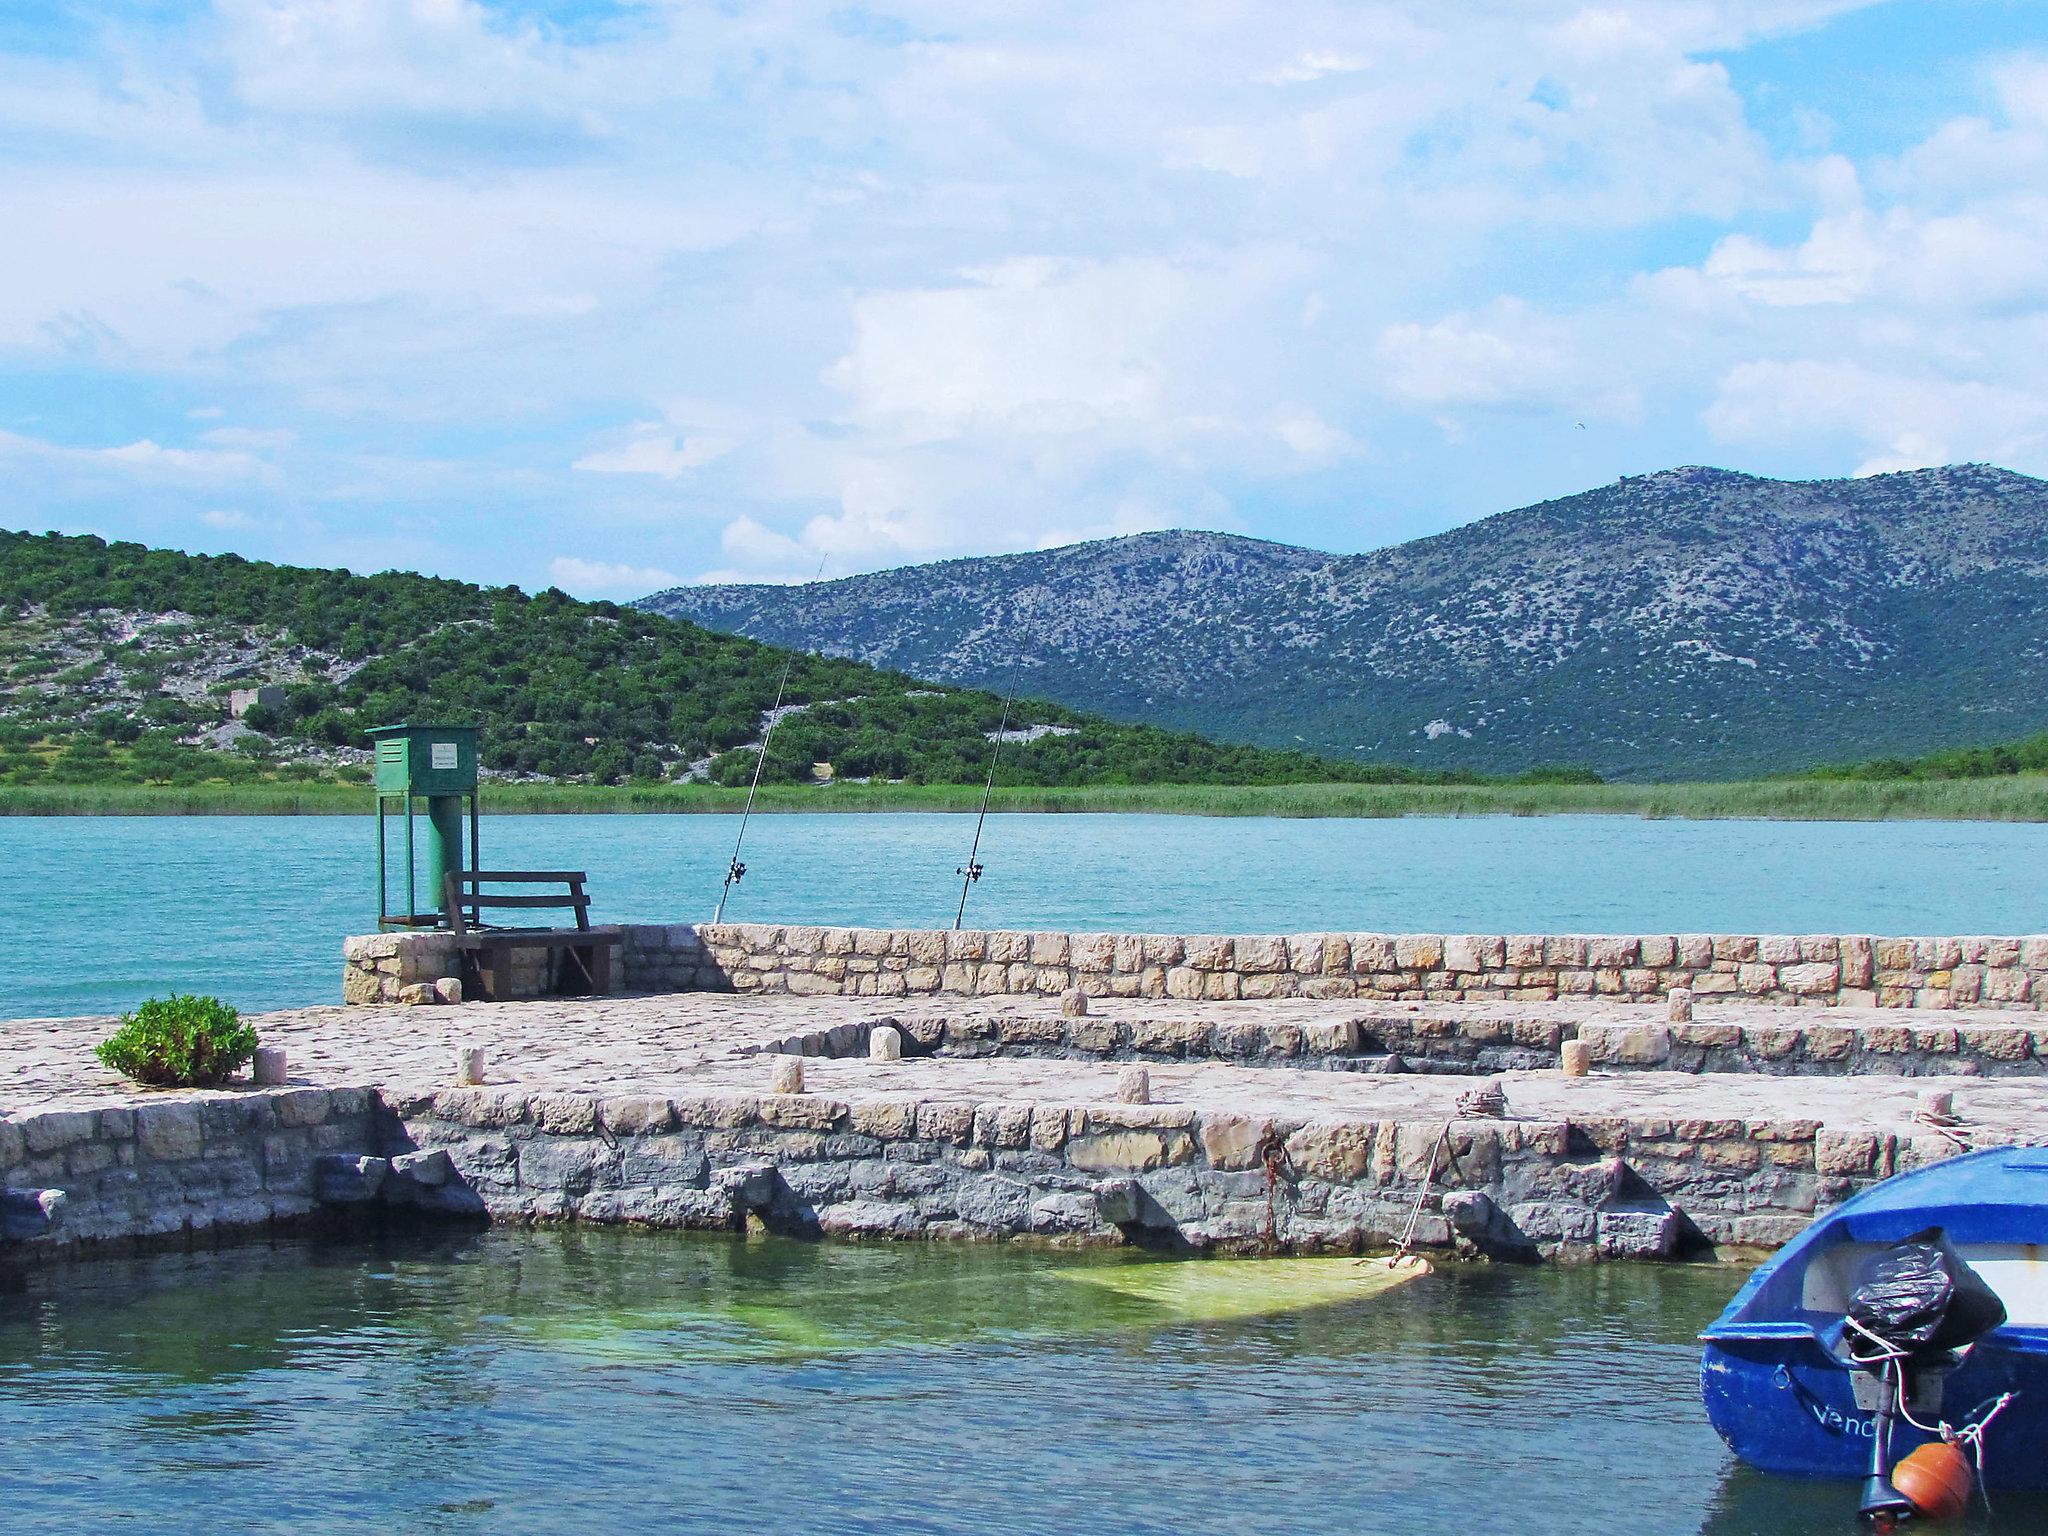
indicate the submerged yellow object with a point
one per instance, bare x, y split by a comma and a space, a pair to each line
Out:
1203, 1290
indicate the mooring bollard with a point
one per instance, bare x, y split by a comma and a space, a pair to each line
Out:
469, 1066
268, 1069
1681, 1005
1577, 1057
1937, 1107
1074, 1003
885, 1043
786, 1075
1134, 1086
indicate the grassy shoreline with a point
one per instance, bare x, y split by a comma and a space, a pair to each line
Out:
2014, 797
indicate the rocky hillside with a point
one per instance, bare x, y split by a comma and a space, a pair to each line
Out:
1692, 623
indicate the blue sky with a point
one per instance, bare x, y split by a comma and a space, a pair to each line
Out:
611, 295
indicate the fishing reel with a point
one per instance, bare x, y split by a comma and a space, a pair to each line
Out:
737, 873
971, 869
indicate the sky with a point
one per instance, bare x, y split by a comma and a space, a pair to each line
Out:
611, 295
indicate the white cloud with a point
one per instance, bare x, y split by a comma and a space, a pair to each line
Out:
1507, 357
1898, 420
601, 578
653, 448
990, 275
143, 459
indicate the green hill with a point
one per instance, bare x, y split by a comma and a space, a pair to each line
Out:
118, 663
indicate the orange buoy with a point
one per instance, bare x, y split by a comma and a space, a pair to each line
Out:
1937, 1479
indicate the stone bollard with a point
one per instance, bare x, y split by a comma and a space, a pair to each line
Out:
885, 1043
1134, 1086
786, 1074
1577, 1057
1074, 1003
1937, 1107
448, 989
268, 1069
469, 1066
1681, 1005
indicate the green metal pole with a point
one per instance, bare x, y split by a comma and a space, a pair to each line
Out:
444, 845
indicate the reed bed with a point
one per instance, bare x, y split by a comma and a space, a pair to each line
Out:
2014, 797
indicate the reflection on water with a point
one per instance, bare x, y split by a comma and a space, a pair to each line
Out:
596, 1382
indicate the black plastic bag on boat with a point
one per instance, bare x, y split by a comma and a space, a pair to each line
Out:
1919, 1296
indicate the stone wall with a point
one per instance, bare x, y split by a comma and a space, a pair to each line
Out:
1814, 970
379, 967
1472, 1043
1165, 1175
175, 1167
1139, 1173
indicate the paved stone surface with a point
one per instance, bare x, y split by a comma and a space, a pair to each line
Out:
687, 1043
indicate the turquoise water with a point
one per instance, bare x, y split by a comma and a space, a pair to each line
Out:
605, 1382
103, 911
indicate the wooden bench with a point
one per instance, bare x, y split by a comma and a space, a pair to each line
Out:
485, 950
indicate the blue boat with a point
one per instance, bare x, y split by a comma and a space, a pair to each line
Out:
1795, 1386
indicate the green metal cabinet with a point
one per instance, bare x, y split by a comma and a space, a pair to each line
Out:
437, 764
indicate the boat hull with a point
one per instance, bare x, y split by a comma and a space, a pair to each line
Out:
1785, 1405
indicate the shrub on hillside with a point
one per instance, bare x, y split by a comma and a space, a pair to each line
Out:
179, 1042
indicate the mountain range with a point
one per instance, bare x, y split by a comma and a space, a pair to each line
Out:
1692, 623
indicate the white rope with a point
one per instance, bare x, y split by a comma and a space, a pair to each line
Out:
1406, 1246
1970, 1435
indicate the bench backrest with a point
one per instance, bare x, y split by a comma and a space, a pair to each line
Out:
464, 893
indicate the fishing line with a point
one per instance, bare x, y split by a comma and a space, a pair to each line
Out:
971, 870
736, 871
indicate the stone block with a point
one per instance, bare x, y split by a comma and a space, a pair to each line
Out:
1339, 1151
169, 1132
635, 1115
1372, 954
1810, 978
340, 1179
1418, 952
1233, 1142
1134, 1151
1048, 949
1259, 955
1658, 952
430, 1169
1628, 1045
1773, 1042
1092, 952
1609, 952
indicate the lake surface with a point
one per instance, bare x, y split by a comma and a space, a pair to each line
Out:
101, 912
593, 1382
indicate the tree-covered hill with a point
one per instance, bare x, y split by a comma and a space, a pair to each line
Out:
117, 660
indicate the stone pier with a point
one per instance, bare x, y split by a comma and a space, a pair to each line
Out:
1286, 1124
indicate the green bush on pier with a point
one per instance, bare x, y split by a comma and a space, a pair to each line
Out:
179, 1042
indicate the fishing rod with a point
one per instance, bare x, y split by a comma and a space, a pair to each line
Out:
971, 870
736, 871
